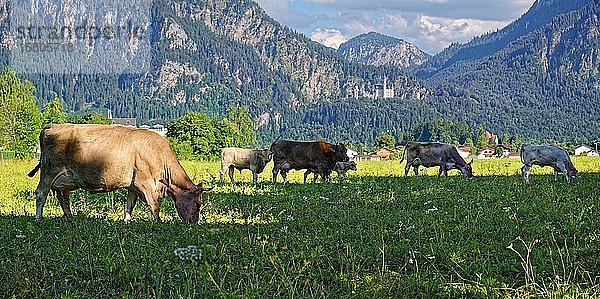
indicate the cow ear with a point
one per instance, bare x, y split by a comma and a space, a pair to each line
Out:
200, 188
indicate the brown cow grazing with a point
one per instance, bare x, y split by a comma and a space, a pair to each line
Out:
100, 158
431, 154
243, 158
318, 155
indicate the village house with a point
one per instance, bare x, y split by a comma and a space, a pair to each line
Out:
582, 149
464, 151
381, 154
490, 151
158, 129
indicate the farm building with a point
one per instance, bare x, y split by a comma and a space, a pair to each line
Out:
582, 149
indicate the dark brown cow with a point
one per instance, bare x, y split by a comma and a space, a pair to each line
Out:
318, 155
100, 158
431, 154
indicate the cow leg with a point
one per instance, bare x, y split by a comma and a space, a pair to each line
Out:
562, 168
63, 198
231, 171
441, 170
525, 171
222, 172
150, 200
275, 172
322, 173
315, 176
407, 168
153, 204
41, 194
254, 176
131, 199
306, 173
416, 169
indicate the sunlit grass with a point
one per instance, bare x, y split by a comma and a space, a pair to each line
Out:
377, 234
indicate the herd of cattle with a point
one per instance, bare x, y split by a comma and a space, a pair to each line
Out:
100, 158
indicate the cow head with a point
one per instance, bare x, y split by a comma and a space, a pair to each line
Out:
571, 171
466, 170
262, 158
340, 152
351, 165
187, 202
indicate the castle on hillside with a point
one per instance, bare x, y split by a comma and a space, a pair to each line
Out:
381, 91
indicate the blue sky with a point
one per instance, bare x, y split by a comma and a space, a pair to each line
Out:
429, 24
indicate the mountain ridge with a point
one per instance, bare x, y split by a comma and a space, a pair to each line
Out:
377, 49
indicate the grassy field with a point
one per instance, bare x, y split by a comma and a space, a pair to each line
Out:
376, 235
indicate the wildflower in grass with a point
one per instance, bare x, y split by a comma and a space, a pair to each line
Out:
20, 236
431, 210
284, 229
281, 212
189, 253
290, 218
323, 198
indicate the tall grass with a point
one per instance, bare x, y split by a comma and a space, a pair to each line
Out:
377, 234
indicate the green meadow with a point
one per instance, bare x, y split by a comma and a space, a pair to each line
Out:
376, 235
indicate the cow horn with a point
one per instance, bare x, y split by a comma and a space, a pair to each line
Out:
169, 187
204, 189
471, 161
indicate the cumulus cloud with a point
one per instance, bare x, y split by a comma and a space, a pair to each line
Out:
332, 38
430, 24
440, 32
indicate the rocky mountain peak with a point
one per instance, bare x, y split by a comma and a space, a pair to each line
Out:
377, 49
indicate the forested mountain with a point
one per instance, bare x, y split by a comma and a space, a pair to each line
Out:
539, 75
206, 55
378, 49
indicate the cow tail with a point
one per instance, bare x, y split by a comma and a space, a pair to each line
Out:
403, 153
34, 170
521, 154
42, 137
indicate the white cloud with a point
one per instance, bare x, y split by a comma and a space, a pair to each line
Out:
332, 38
440, 32
429, 24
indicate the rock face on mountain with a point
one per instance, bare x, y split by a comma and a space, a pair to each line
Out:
546, 63
206, 55
377, 49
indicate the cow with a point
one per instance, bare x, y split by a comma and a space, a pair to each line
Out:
243, 158
341, 168
101, 158
318, 155
431, 154
544, 155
